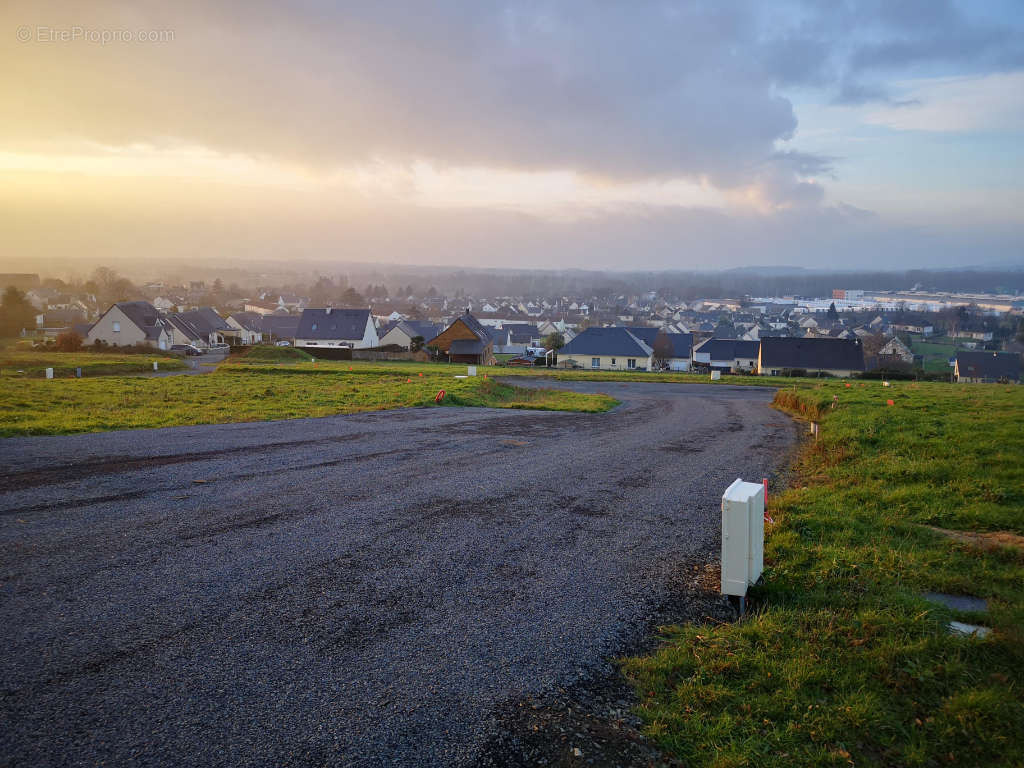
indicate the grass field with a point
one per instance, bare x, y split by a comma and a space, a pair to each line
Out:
34, 364
935, 354
449, 369
236, 393
267, 354
842, 661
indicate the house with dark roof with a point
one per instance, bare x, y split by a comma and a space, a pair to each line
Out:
57, 321
247, 327
277, 328
404, 331
465, 340
330, 327
780, 356
734, 355
681, 358
201, 328
522, 333
131, 323
976, 367
646, 335
612, 348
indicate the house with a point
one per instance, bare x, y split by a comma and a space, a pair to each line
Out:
982, 366
169, 303
291, 303
646, 335
681, 358
918, 328
277, 328
465, 341
330, 327
131, 323
727, 354
502, 339
833, 357
403, 332
248, 327
201, 327
975, 335
608, 349
895, 350
56, 321
263, 308
514, 338
526, 334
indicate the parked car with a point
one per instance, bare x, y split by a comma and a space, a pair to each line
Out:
186, 349
282, 343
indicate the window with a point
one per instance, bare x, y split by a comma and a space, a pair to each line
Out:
631, 363
613, 361
117, 326
595, 362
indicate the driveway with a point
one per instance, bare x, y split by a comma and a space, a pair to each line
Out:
199, 364
356, 590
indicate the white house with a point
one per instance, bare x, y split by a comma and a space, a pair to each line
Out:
248, 327
131, 323
329, 327
608, 349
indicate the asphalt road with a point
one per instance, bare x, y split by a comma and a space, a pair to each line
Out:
356, 590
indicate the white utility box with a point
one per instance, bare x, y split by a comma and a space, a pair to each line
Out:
716, 375
472, 370
742, 536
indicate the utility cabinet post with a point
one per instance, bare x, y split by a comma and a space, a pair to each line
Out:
742, 538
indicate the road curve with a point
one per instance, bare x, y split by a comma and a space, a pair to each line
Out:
357, 590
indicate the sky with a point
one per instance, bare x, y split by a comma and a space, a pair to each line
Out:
607, 135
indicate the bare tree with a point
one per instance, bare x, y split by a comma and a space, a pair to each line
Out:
663, 350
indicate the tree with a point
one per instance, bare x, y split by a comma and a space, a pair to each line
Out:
16, 313
662, 350
323, 292
352, 298
416, 343
554, 340
833, 313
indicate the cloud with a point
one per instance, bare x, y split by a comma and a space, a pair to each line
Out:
624, 110
957, 105
646, 90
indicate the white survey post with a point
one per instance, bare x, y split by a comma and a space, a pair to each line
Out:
742, 536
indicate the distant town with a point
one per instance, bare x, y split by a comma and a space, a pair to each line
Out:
920, 331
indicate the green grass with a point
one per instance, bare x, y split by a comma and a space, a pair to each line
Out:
237, 393
448, 369
841, 661
267, 354
935, 354
34, 364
